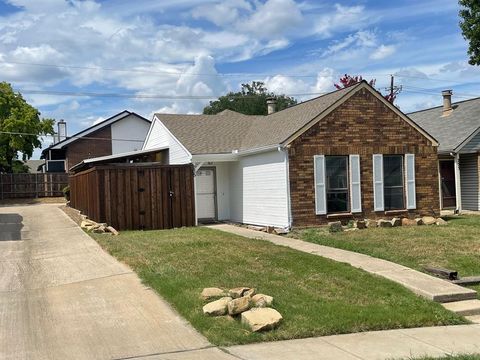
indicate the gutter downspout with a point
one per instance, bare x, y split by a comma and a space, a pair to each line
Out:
458, 187
289, 200
196, 167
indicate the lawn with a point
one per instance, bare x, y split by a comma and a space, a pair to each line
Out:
316, 296
452, 357
455, 246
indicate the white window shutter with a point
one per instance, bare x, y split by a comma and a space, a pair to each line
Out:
320, 190
410, 181
355, 186
378, 200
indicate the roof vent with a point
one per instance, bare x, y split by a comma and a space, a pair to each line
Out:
271, 105
447, 102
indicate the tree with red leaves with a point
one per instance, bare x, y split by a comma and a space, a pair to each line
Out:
349, 80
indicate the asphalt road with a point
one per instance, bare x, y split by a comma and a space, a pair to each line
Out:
63, 297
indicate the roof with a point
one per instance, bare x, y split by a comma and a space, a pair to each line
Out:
124, 155
452, 130
229, 130
93, 128
34, 165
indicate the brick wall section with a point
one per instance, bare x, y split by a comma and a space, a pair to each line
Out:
89, 148
362, 125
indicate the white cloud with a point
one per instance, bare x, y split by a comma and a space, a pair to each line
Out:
223, 13
382, 52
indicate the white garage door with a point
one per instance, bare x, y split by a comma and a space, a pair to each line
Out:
205, 186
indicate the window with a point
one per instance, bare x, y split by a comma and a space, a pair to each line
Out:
55, 165
393, 175
336, 176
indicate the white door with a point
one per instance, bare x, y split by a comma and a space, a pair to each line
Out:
205, 186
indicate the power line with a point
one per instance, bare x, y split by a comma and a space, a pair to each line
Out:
69, 137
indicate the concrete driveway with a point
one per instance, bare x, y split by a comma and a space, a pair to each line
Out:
63, 297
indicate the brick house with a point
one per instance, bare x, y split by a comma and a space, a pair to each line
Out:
344, 155
120, 133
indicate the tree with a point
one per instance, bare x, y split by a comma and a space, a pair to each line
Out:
470, 25
348, 80
20, 128
251, 100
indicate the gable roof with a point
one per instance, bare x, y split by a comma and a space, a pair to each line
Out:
94, 128
229, 130
452, 130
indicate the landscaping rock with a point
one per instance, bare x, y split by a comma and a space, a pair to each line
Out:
237, 292
262, 300
408, 222
360, 224
419, 221
100, 229
371, 223
249, 292
270, 229
112, 230
351, 229
212, 293
335, 226
441, 222
237, 306
384, 223
218, 307
281, 231
396, 222
429, 220
260, 319
87, 224
256, 228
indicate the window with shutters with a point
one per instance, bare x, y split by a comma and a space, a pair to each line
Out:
336, 181
393, 182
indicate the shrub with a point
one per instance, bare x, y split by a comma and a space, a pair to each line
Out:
66, 192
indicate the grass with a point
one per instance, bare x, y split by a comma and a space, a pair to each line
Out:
455, 246
316, 296
452, 357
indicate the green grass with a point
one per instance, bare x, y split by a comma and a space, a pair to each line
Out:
455, 246
316, 296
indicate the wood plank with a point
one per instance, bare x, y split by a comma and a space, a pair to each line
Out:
467, 280
443, 273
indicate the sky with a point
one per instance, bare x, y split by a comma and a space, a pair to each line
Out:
174, 56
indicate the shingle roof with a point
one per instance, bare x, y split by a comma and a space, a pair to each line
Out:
452, 130
229, 130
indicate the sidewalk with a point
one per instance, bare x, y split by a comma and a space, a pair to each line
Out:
390, 344
421, 284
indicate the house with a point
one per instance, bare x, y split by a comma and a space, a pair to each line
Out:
120, 133
457, 128
344, 155
35, 166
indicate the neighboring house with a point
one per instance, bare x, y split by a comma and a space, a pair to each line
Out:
120, 133
347, 154
35, 166
457, 128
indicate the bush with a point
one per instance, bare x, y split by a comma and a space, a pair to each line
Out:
66, 192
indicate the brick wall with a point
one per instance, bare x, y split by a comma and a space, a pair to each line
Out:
362, 125
89, 148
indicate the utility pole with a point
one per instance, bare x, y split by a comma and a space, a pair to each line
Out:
393, 90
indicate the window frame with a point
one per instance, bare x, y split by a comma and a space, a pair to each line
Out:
347, 188
403, 175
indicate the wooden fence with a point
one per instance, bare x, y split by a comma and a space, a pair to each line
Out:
32, 185
136, 197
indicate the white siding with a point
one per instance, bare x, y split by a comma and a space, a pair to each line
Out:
159, 136
131, 128
259, 190
469, 179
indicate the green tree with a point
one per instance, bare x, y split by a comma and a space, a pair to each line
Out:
20, 128
251, 100
470, 25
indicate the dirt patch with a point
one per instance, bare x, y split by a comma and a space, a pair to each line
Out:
72, 213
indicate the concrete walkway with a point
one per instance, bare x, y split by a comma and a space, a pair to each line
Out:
391, 344
63, 297
422, 284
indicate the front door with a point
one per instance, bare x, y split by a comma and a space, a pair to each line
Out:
447, 174
206, 194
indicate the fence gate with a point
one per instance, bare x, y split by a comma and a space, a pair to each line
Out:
136, 197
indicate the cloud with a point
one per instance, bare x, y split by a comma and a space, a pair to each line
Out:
382, 52
223, 13
360, 39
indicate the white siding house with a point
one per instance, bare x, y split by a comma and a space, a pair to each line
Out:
132, 128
